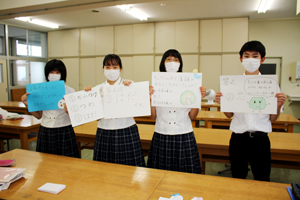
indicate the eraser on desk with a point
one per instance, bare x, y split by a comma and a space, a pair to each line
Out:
52, 188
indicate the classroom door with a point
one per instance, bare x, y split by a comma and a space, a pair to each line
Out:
271, 66
3, 81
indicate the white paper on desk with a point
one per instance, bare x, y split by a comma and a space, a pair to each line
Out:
249, 94
122, 101
84, 107
52, 188
179, 90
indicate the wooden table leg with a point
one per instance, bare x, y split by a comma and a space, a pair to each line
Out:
208, 124
290, 128
24, 141
1, 145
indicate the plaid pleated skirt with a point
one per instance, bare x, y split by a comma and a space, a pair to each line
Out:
121, 146
58, 141
174, 153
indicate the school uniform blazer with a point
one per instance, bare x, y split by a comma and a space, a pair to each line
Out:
117, 123
243, 122
57, 118
173, 121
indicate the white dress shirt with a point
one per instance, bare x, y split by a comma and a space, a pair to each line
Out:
117, 123
173, 121
57, 118
243, 122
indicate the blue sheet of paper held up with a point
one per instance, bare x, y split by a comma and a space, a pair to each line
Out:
45, 96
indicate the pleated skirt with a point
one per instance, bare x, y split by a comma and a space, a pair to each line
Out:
121, 146
58, 141
174, 153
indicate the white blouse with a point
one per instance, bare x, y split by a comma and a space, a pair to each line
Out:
117, 123
57, 118
173, 121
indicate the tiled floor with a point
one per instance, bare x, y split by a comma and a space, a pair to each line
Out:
277, 174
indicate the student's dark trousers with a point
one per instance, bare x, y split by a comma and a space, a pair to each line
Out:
254, 149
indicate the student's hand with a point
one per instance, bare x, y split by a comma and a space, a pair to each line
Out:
203, 91
151, 91
24, 98
88, 88
218, 97
127, 82
281, 98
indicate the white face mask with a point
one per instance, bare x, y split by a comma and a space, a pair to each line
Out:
54, 77
112, 74
172, 66
251, 64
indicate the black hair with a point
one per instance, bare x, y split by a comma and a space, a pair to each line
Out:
112, 59
253, 46
56, 65
170, 52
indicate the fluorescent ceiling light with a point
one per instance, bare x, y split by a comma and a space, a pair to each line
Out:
263, 6
38, 22
134, 12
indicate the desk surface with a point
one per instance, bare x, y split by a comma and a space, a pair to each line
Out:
16, 104
85, 179
27, 122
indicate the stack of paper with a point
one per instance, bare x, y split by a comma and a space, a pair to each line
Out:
10, 175
52, 188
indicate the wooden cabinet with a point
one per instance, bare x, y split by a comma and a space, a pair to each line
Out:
210, 67
124, 39
87, 41
235, 34
211, 35
165, 36
104, 40
143, 66
231, 65
87, 72
187, 36
143, 38
72, 65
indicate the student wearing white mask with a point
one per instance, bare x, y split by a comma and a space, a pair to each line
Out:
56, 134
117, 140
173, 146
249, 140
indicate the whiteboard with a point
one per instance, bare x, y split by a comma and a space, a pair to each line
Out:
249, 94
180, 90
126, 101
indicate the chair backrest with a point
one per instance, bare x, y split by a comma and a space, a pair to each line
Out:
16, 94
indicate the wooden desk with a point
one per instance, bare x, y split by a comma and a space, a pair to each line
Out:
84, 179
20, 127
212, 187
213, 146
14, 106
211, 118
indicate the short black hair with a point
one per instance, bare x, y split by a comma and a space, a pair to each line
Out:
56, 65
170, 52
253, 45
112, 59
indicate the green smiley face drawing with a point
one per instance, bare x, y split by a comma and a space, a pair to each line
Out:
257, 103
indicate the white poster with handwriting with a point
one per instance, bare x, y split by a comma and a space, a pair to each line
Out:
176, 89
84, 107
249, 94
126, 101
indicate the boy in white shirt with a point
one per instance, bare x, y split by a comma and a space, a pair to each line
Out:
249, 140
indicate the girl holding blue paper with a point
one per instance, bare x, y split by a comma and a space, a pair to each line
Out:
173, 146
56, 135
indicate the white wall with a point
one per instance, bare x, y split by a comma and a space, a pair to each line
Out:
281, 39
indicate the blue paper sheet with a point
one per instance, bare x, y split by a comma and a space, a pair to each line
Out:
45, 96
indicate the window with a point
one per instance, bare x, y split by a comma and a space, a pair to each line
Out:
36, 44
25, 72
19, 45
2, 40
